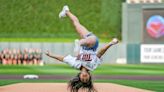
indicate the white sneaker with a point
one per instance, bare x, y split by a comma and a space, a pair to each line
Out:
63, 12
114, 41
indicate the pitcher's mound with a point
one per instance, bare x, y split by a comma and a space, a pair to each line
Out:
62, 87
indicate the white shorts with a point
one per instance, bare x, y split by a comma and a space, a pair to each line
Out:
70, 60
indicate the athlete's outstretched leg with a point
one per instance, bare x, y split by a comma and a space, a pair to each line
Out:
83, 32
58, 57
105, 48
79, 28
87, 39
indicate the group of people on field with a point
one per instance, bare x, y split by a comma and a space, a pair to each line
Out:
18, 57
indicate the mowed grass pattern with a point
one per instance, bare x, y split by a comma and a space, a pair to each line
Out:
101, 70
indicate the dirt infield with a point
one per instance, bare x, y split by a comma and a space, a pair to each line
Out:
62, 87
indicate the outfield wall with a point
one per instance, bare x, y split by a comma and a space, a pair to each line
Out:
113, 55
135, 35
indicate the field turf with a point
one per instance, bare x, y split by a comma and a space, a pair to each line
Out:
62, 69
39, 18
105, 69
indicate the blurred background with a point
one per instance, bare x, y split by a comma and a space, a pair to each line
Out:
28, 28
34, 26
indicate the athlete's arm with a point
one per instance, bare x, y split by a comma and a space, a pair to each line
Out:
58, 57
106, 47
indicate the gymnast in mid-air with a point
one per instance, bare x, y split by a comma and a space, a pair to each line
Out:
87, 58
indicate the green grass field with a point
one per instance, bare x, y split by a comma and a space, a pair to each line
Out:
102, 70
44, 40
62, 69
39, 18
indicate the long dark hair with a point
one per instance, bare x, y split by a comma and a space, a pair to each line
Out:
75, 84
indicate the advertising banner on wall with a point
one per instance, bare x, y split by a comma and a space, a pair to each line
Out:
152, 47
152, 53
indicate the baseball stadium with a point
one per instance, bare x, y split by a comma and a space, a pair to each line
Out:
81, 45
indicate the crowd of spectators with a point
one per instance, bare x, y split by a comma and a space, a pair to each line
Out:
17, 57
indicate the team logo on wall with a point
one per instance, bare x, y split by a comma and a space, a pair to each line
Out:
155, 26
